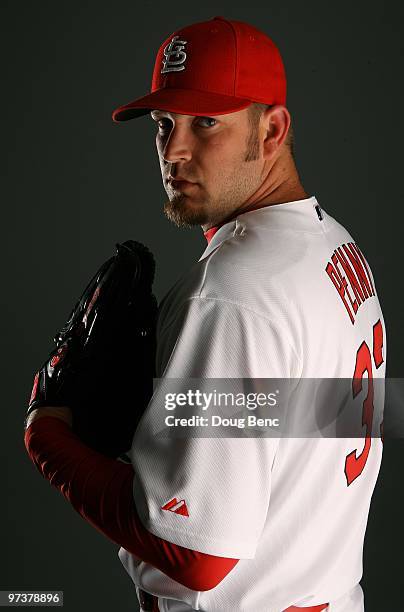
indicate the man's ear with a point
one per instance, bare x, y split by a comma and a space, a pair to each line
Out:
275, 122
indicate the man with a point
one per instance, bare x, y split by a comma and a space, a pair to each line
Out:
282, 291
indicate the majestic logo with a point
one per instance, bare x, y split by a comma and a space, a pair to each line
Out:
179, 507
175, 56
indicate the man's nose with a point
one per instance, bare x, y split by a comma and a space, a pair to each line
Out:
178, 146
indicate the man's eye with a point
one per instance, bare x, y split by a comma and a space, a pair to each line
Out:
207, 121
164, 125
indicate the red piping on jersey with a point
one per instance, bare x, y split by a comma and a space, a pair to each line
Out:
100, 489
311, 609
210, 233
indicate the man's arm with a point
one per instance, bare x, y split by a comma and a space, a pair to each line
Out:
100, 489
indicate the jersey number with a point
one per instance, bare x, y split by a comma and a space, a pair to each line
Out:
354, 464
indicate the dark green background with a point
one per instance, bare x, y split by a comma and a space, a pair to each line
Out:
74, 183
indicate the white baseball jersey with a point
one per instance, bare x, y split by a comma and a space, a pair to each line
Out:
280, 292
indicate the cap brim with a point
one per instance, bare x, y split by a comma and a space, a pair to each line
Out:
181, 101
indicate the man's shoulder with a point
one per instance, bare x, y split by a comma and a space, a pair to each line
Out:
247, 265
259, 268
237, 272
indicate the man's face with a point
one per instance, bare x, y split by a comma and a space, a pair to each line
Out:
210, 165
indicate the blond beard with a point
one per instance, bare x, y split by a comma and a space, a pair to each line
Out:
177, 211
210, 211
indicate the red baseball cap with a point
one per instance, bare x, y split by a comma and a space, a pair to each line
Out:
212, 68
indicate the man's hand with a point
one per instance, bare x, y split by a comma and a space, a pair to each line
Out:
103, 362
61, 412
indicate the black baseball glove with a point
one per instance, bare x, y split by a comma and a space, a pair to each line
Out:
102, 367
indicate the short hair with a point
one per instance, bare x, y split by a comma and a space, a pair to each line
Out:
256, 109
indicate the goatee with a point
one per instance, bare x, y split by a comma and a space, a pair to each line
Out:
177, 211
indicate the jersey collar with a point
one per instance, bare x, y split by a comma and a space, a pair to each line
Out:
308, 218
210, 233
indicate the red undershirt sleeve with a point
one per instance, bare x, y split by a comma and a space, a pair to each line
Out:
100, 489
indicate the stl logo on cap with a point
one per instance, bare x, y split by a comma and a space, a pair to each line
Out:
176, 49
